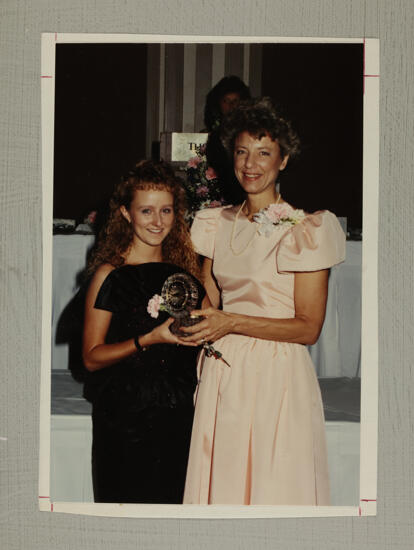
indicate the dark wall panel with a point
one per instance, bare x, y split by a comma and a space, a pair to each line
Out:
234, 60
255, 69
100, 122
204, 58
174, 73
153, 97
320, 86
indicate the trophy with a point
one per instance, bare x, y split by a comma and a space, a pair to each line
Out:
180, 296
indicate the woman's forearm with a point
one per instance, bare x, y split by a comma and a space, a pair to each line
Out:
104, 355
299, 330
100, 355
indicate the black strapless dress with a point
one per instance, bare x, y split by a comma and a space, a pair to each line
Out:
142, 406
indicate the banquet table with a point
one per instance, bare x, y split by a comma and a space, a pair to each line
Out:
336, 354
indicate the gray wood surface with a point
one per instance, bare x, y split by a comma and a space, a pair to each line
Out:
22, 21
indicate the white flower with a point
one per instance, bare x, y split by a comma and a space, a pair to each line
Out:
276, 215
154, 305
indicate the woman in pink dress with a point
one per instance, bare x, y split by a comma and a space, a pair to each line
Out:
258, 433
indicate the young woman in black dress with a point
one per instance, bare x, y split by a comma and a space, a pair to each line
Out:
141, 376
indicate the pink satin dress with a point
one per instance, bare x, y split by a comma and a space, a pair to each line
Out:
259, 434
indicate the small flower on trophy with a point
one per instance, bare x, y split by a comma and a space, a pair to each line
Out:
155, 305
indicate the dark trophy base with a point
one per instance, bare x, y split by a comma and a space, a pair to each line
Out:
186, 321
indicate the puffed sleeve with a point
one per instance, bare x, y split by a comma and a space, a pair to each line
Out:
106, 298
318, 242
204, 229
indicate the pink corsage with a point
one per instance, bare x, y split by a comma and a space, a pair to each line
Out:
155, 305
276, 215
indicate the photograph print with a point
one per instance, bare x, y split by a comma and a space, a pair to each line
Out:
204, 249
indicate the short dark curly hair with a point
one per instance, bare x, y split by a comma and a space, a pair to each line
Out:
260, 117
227, 85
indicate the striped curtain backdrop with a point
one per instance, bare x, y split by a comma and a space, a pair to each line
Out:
179, 77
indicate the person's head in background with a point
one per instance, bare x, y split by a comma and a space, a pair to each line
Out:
222, 99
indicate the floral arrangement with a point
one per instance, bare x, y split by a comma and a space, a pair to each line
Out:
276, 215
201, 183
91, 218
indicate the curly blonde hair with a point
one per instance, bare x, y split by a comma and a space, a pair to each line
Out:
116, 236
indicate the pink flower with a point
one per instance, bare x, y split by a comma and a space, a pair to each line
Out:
277, 212
214, 204
194, 162
91, 217
210, 173
154, 305
202, 190
273, 215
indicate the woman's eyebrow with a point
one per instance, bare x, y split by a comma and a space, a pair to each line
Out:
152, 206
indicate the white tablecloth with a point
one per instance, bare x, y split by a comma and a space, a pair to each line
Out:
337, 352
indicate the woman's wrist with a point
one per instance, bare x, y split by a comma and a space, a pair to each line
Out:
232, 321
141, 342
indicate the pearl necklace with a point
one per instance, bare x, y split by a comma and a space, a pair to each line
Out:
233, 230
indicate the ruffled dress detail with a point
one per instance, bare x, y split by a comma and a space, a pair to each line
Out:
259, 433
